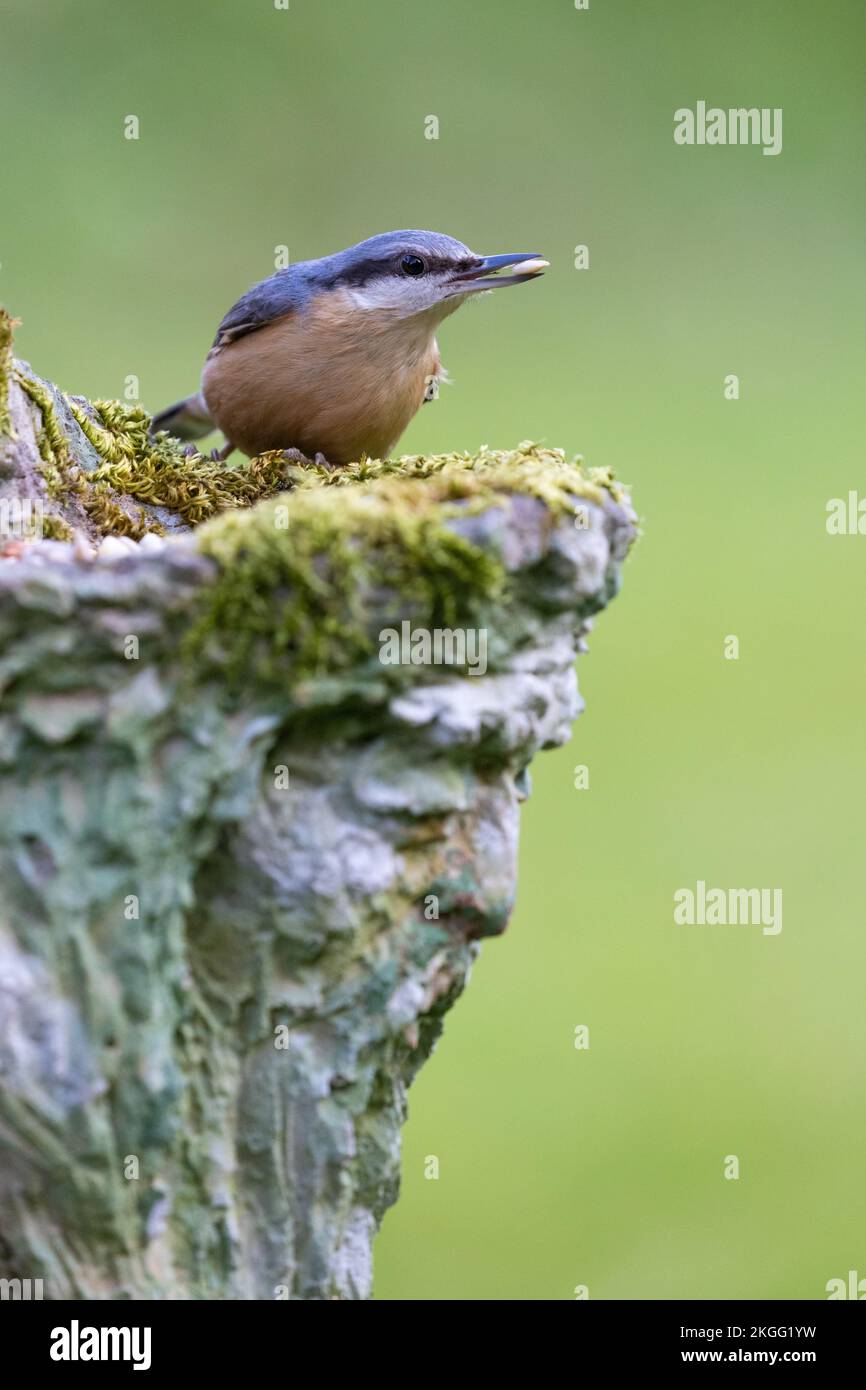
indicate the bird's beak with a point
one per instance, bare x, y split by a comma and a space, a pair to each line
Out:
484, 276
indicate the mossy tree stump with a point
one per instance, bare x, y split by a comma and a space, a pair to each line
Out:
246, 865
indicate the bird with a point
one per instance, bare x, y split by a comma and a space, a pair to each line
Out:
330, 359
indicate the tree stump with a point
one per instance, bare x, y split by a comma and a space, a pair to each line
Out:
251, 831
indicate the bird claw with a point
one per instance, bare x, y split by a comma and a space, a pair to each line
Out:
295, 456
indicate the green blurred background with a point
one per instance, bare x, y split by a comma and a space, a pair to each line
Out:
305, 127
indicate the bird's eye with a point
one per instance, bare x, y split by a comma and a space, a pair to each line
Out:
412, 265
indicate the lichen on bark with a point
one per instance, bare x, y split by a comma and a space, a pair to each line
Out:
246, 865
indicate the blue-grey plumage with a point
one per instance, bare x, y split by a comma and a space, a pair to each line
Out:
335, 356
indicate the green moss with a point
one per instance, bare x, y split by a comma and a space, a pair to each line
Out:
530, 469
119, 431
194, 487
107, 514
152, 470
53, 445
296, 572
302, 592
54, 528
7, 325
156, 470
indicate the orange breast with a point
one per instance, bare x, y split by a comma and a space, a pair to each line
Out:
335, 380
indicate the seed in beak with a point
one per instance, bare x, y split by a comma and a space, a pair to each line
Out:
485, 275
535, 266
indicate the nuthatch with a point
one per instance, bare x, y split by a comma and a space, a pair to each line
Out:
335, 356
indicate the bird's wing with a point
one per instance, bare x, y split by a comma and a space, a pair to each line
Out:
282, 293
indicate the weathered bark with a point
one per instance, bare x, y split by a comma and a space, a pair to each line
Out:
238, 896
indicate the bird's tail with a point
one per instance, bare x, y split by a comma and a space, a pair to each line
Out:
187, 419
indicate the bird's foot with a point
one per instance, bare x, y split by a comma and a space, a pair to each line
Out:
215, 455
295, 456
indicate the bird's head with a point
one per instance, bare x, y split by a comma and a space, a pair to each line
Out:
411, 273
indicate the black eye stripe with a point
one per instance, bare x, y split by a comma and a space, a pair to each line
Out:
374, 269
439, 264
